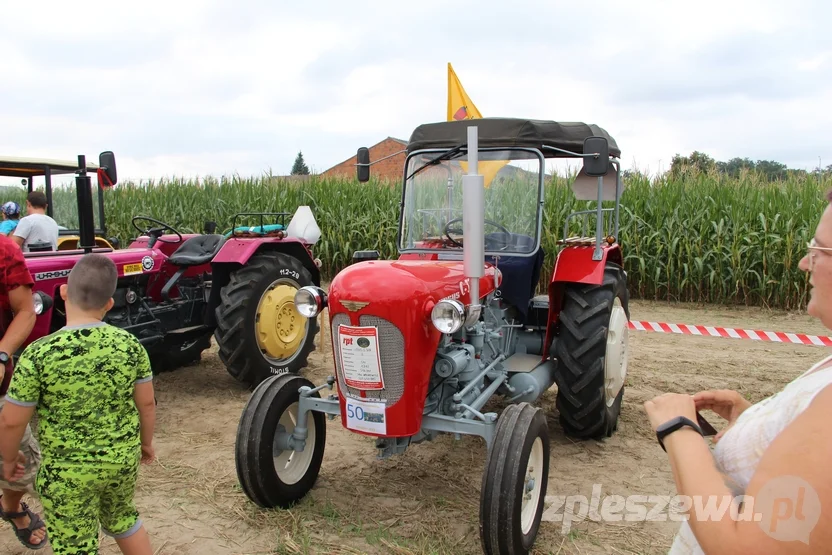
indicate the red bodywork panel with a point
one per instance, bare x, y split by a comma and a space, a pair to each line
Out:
50, 272
575, 265
403, 292
167, 246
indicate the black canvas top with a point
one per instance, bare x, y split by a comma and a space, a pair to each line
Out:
508, 132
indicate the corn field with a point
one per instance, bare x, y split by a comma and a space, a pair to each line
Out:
699, 238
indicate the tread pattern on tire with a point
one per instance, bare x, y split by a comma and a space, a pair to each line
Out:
236, 351
500, 530
580, 351
253, 450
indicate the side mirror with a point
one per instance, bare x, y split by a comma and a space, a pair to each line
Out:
107, 162
599, 165
363, 164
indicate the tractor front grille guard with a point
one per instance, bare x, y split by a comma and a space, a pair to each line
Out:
391, 352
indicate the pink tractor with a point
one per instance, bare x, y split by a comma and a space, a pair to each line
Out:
177, 290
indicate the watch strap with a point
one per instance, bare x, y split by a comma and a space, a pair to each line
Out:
673, 425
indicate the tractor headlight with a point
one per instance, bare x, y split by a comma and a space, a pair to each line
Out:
42, 302
310, 301
448, 315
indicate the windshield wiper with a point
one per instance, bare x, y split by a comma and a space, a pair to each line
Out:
447, 155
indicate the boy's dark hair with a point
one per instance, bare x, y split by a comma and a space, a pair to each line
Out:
92, 282
37, 199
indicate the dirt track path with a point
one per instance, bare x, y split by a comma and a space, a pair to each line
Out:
426, 501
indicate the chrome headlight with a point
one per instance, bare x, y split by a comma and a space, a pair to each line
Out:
310, 301
448, 315
42, 302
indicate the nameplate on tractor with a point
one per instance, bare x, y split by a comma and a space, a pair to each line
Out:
364, 416
360, 360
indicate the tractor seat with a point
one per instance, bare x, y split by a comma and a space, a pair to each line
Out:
197, 250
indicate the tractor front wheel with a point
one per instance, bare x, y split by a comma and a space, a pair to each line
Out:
514, 481
259, 331
271, 474
592, 352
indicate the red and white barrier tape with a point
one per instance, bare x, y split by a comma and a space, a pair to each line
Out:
716, 331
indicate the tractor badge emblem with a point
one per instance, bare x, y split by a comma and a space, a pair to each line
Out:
352, 306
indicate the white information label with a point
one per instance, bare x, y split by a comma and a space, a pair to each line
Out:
364, 416
360, 359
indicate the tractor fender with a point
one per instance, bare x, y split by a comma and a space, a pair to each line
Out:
574, 264
236, 252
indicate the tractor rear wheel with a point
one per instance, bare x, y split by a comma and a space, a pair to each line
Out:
514, 481
269, 475
259, 331
592, 351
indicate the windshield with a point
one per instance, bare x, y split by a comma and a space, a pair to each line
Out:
432, 215
65, 204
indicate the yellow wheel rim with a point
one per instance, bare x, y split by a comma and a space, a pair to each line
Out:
279, 327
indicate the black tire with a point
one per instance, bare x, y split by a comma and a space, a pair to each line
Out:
236, 318
254, 449
580, 350
177, 356
504, 480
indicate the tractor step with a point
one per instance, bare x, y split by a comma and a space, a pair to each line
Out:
522, 362
188, 330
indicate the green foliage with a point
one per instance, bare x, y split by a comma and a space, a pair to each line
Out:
299, 167
771, 170
701, 237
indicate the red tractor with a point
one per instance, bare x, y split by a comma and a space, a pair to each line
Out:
422, 343
176, 290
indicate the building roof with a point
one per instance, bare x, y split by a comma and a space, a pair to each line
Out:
394, 139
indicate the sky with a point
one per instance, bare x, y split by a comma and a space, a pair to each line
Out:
194, 88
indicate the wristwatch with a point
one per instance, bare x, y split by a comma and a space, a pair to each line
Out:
4, 358
674, 424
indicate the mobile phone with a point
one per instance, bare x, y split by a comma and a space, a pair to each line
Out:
707, 429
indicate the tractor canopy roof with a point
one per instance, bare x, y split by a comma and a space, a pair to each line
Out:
511, 132
14, 166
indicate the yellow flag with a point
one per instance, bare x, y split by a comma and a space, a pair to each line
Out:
461, 107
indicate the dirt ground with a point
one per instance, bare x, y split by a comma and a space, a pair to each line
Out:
426, 500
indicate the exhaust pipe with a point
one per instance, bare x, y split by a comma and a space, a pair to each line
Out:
473, 213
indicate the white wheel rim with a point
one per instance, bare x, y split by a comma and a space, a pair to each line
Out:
615, 358
289, 464
532, 485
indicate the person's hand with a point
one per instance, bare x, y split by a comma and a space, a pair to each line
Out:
668, 406
148, 454
15, 470
726, 403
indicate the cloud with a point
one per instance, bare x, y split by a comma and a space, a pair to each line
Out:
208, 87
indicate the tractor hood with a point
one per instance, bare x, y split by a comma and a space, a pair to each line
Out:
394, 289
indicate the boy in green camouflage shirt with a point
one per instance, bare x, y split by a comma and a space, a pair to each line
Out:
92, 387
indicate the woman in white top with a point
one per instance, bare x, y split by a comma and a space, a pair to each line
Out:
774, 458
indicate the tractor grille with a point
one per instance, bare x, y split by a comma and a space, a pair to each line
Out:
391, 346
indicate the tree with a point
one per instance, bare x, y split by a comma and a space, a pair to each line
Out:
697, 161
300, 168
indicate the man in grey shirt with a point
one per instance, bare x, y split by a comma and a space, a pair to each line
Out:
36, 226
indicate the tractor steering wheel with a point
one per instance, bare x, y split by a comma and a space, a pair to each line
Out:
448, 230
155, 233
